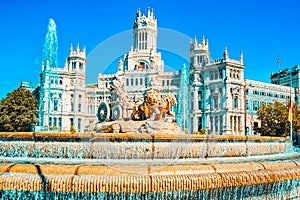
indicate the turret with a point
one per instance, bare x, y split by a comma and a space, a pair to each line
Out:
77, 59
199, 52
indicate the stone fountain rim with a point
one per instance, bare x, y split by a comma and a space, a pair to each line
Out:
136, 136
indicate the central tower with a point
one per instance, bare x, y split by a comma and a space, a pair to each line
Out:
145, 31
143, 56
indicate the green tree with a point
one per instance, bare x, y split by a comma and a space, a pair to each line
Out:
18, 111
274, 119
296, 118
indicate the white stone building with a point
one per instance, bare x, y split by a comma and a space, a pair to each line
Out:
218, 99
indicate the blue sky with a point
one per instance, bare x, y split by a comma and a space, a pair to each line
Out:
263, 29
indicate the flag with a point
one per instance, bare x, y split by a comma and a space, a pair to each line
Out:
290, 117
278, 60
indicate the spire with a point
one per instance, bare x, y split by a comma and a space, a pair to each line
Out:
203, 41
206, 44
149, 12
78, 47
84, 49
241, 57
50, 45
138, 13
225, 54
71, 48
195, 40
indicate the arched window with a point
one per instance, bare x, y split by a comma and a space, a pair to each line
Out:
50, 121
79, 125
216, 75
55, 104
235, 102
54, 121
71, 121
211, 75
59, 122
79, 107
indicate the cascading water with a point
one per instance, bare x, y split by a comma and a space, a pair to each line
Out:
182, 117
51, 46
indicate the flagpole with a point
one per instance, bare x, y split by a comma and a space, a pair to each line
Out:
291, 107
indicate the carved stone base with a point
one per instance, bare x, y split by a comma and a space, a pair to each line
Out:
147, 127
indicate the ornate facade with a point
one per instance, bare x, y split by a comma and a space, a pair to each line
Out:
217, 97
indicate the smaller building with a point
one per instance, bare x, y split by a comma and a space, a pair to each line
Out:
258, 93
288, 77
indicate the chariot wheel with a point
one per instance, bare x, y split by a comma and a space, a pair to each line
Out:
116, 112
103, 112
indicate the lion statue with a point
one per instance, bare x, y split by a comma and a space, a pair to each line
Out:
154, 106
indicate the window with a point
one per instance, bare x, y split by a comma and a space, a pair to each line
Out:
141, 81
216, 124
220, 91
79, 125
59, 122
199, 105
211, 124
54, 121
79, 107
50, 121
247, 105
221, 123
55, 105
255, 105
72, 107
211, 76
216, 102
132, 82
72, 121
136, 81
199, 94
220, 73
216, 75
199, 123
235, 102
127, 82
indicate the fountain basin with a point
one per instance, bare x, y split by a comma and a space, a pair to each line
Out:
137, 146
147, 166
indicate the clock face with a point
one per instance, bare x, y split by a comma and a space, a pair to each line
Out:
103, 112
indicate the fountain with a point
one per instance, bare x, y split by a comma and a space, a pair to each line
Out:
146, 158
137, 151
147, 166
